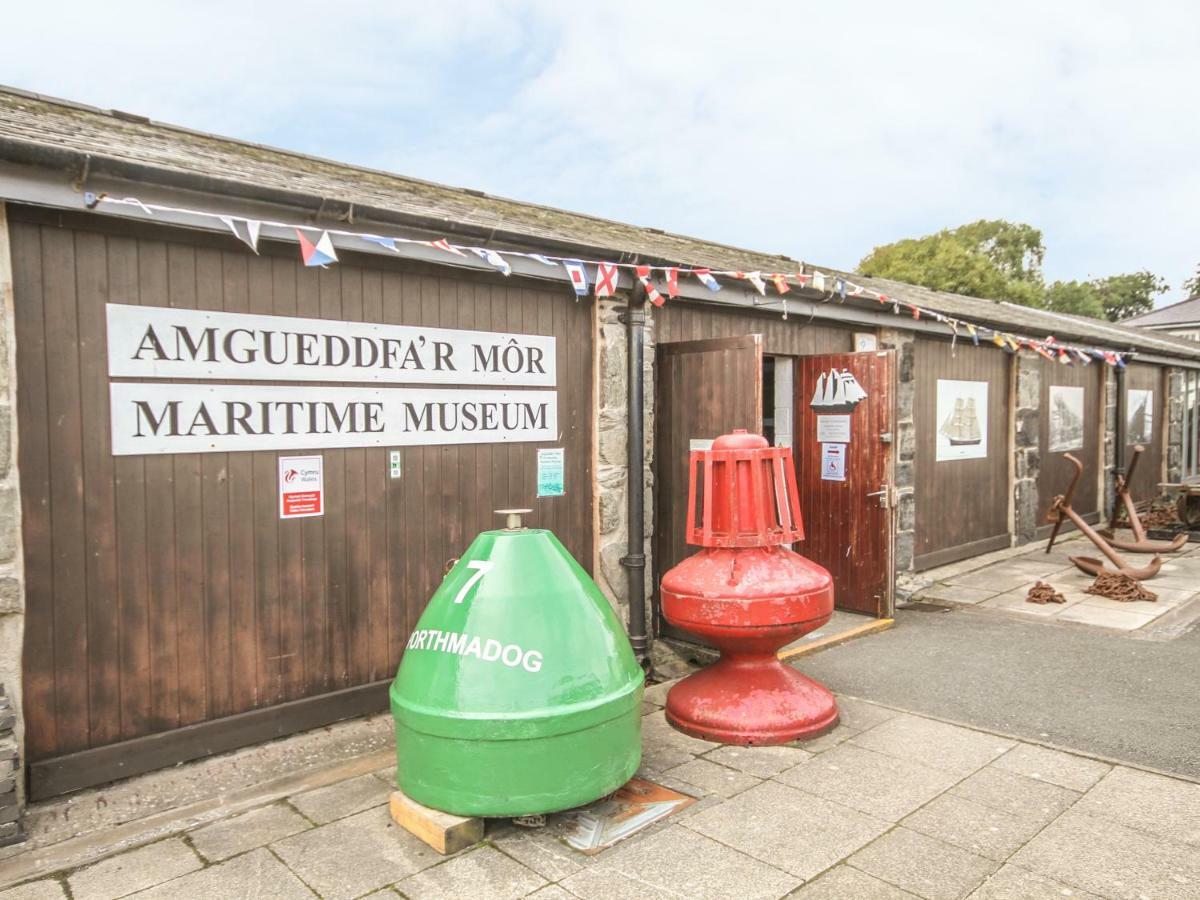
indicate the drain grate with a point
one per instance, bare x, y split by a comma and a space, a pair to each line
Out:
922, 606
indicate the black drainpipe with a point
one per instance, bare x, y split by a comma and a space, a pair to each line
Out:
634, 560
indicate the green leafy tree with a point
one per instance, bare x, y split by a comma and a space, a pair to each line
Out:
995, 259
1002, 260
1191, 287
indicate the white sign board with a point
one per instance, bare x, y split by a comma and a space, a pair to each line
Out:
159, 342
301, 487
198, 418
833, 462
833, 429
962, 420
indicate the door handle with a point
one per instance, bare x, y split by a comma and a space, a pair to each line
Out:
884, 494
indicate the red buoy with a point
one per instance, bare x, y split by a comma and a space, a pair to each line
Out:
748, 595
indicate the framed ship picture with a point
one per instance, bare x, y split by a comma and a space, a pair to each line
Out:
962, 420
1066, 418
1139, 413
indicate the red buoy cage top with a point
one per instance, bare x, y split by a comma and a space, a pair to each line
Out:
745, 491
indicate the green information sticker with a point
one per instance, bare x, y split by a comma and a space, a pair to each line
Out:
550, 473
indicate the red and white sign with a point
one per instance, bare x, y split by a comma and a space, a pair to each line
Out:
301, 487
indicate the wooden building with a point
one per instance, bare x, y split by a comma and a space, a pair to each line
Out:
164, 593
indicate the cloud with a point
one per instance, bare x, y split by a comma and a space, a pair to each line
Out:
817, 130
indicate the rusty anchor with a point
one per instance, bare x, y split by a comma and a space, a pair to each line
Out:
1061, 509
1139, 544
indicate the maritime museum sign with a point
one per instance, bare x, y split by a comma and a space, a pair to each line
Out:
164, 417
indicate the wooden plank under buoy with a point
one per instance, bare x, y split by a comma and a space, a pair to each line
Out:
444, 832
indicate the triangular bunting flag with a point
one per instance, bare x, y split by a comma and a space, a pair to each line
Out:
494, 258
706, 278
245, 230
607, 276
839, 287
818, 281
578, 275
319, 254
916, 311
782, 286
672, 282
755, 278
643, 275
971, 331
443, 244
386, 242
544, 260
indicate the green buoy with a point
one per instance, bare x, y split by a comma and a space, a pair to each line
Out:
518, 692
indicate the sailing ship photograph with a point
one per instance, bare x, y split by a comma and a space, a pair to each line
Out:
1066, 418
962, 411
1139, 426
837, 392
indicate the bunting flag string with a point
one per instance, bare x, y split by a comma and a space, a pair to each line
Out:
322, 253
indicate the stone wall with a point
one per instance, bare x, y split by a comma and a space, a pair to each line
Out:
1026, 455
611, 468
12, 580
1174, 425
905, 446
11, 831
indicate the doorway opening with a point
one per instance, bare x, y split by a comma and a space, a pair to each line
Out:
778, 378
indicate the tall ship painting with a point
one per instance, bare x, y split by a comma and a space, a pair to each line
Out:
961, 427
1066, 426
1139, 420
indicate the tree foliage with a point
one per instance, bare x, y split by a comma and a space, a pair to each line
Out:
1003, 260
1191, 287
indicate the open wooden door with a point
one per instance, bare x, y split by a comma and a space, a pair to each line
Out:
703, 389
843, 451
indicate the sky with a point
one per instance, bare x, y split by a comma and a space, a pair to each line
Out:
817, 130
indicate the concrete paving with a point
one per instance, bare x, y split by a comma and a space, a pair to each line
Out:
1003, 584
890, 805
1100, 692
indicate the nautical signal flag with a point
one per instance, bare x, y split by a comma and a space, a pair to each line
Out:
245, 230
652, 294
672, 283
443, 244
318, 254
781, 285
578, 275
755, 278
494, 258
706, 278
606, 279
386, 242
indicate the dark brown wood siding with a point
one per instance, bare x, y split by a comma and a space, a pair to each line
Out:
165, 590
962, 504
793, 336
1149, 472
1054, 472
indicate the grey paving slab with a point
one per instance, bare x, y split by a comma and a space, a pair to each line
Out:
1164, 806
657, 693
830, 739
956, 593
256, 875
1025, 798
860, 715
1043, 764
538, 848
934, 744
1121, 619
46, 889
798, 832
1011, 882
996, 578
133, 871
382, 894
387, 775
1112, 860
847, 883
760, 761
925, 866
481, 870
336, 801
677, 863
1017, 602
255, 828
883, 786
974, 827
355, 855
713, 778
551, 892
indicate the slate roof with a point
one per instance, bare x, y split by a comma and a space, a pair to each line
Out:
124, 145
1185, 312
